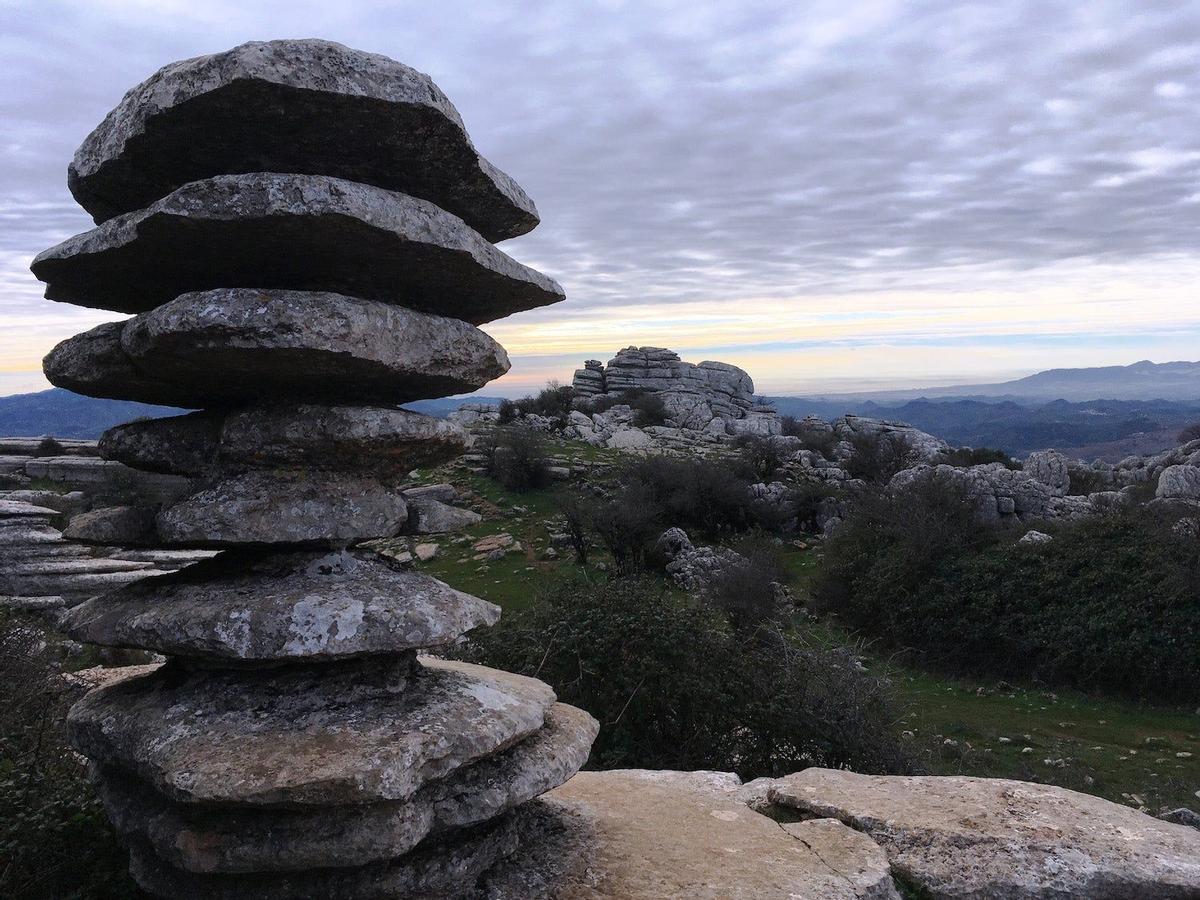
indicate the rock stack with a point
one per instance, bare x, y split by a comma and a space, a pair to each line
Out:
304, 232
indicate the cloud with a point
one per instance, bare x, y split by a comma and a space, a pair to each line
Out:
787, 157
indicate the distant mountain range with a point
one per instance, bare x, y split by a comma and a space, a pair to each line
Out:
1143, 380
65, 414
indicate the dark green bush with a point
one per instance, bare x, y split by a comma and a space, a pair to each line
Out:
1111, 604
747, 592
761, 457
647, 406
48, 446
877, 457
694, 494
674, 687
516, 458
1190, 433
1087, 481
964, 457
54, 840
820, 441
627, 524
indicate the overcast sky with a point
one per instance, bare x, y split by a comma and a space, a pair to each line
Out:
834, 195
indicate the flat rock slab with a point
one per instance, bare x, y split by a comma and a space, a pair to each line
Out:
319, 437
295, 606
19, 509
448, 868
284, 507
298, 232
341, 733
645, 835
205, 840
304, 106
233, 347
984, 837
121, 525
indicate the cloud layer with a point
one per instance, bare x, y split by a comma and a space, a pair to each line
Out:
767, 178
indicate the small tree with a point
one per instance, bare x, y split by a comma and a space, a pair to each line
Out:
626, 524
761, 456
517, 459
48, 446
577, 517
877, 457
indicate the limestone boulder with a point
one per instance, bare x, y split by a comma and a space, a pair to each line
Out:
297, 232
127, 526
1052, 469
233, 347
284, 607
304, 106
1179, 482
284, 507
343, 733
429, 516
981, 837
202, 839
643, 835
362, 438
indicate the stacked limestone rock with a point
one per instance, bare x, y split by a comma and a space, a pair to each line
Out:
304, 232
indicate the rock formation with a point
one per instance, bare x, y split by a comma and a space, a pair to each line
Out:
707, 396
295, 744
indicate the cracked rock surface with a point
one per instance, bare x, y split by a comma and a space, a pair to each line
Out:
296, 232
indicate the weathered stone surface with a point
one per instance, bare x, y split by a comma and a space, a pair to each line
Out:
1179, 482
304, 106
1052, 469
642, 835
286, 607
284, 507
351, 438
343, 733
121, 525
445, 868
239, 346
27, 512
207, 840
429, 516
298, 232
981, 837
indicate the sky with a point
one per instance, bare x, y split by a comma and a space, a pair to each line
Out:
836, 196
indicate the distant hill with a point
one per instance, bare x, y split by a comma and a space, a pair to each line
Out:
1143, 380
65, 414
1098, 428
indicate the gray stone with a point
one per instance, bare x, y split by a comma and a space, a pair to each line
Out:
1035, 537
240, 346
307, 106
126, 526
429, 516
284, 607
1052, 469
342, 733
982, 837
445, 868
1179, 482
298, 232
641, 835
284, 507
203, 839
349, 438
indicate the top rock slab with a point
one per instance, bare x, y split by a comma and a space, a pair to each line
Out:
300, 106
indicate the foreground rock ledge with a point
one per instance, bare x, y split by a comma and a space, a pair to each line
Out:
298, 232
991, 837
306, 106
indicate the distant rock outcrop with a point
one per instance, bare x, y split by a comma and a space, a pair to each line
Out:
696, 395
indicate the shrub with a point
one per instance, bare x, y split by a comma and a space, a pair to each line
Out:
1087, 481
1190, 433
48, 446
649, 409
877, 457
965, 457
747, 593
517, 459
626, 524
694, 493
761, 457
508, 411
1111, 604
577, 517
675, 688
54, 840
553, 401
820, 441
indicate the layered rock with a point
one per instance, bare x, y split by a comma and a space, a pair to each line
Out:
695, 394
295, 225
